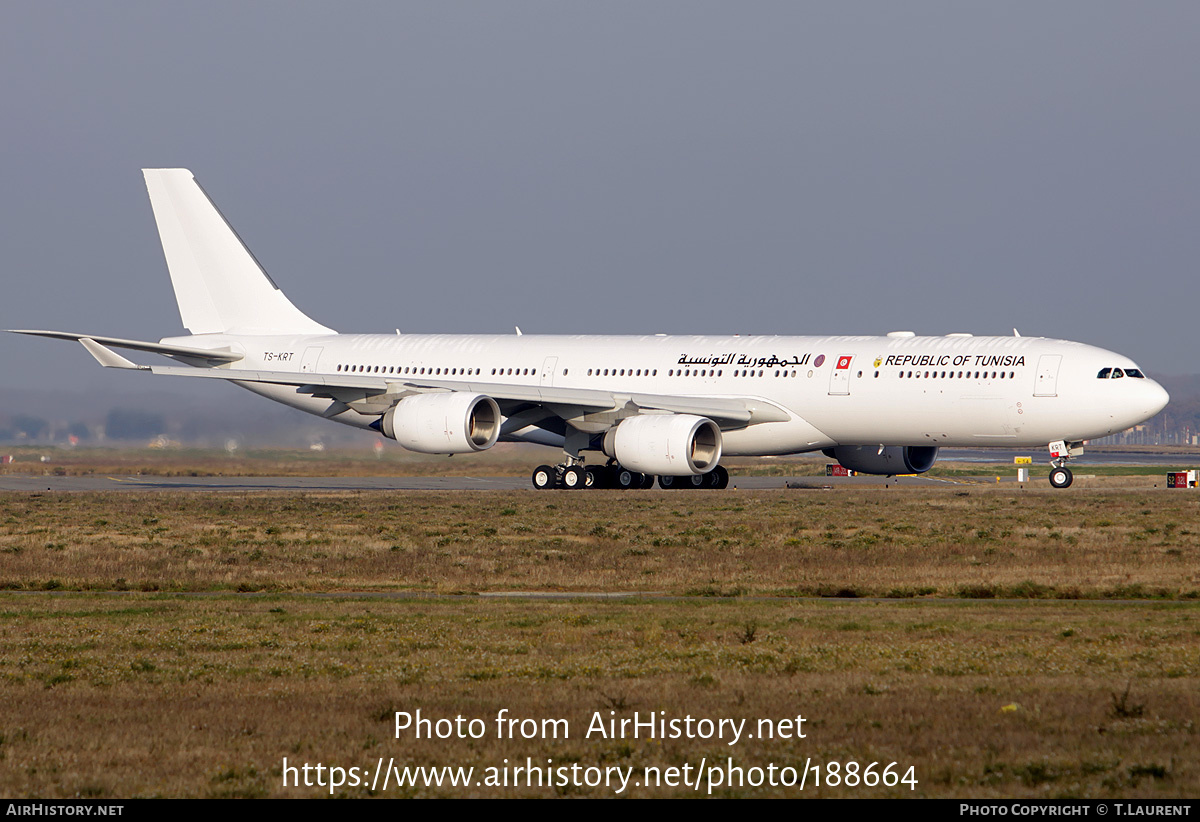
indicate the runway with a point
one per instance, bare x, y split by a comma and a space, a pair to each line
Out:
1001, 459
52, 484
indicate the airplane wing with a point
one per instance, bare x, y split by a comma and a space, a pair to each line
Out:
371, 394
375, 394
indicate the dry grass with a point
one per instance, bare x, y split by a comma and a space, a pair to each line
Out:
156, 695
985, 542
161, 694
502, 460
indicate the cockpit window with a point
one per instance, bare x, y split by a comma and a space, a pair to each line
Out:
1115, 373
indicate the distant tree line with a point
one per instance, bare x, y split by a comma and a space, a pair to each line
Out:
119, 424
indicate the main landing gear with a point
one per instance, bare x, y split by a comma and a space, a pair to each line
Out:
617, 476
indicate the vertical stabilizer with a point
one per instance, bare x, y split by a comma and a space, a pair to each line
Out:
219, 285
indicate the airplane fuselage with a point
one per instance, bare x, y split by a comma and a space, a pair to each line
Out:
955, 390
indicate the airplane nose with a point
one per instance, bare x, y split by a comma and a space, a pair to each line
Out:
1143, 399
1156, 397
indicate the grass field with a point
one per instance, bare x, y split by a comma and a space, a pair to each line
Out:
1000, 641
976, 541
150, 695
501, 460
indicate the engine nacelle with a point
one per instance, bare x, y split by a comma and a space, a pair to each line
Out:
893, 459
452, 423
676, 445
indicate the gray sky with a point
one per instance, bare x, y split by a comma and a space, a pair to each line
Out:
749, 167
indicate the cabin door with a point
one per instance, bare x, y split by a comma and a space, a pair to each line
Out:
548, 371
1047, 375
839, 380
311, 354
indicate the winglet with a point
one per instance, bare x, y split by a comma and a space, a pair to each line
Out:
109, 358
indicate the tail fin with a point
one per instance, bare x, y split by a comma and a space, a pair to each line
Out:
219, 285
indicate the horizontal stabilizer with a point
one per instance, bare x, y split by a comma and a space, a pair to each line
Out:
209, 355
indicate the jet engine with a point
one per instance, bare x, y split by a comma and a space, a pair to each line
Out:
450, 423
671, 444
893, 459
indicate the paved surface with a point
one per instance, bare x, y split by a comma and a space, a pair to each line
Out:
1004, 456
244, 484
18, 482
1002, 460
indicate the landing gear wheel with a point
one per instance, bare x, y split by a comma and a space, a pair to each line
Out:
543, 477
717, 478
695, 481
1061, 477
596, 477
647, 481
668, 483
574, 477
622, 478
638, 479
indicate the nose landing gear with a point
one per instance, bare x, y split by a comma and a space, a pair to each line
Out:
1061, 476
1060, 452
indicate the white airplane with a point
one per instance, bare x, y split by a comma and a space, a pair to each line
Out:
665, 406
